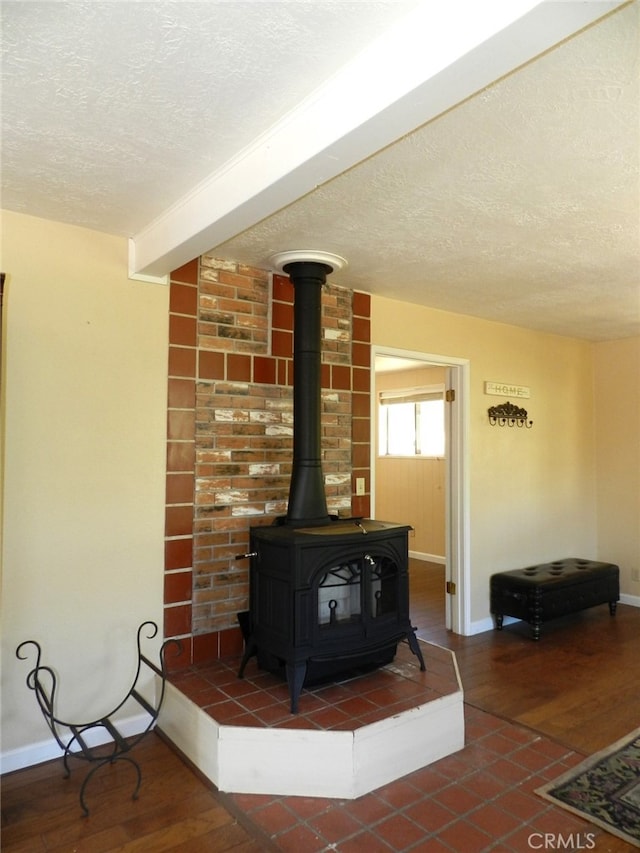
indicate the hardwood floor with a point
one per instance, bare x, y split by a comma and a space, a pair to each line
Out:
177, 810
579, 685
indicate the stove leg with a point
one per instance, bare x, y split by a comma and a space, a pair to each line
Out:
250, 650
414, 645
296, 673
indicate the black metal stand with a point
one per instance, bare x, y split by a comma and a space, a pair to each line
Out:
71, 737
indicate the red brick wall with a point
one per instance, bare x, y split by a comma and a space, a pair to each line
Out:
230, 428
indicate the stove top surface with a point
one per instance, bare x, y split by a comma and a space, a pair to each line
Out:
339, 527
351, 525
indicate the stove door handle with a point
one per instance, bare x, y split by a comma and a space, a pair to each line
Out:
245, 556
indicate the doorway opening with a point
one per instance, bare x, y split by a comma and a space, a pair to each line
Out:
453, 374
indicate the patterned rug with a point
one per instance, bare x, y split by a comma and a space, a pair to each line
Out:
604, 789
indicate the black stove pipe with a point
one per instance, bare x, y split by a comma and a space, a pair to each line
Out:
307, 497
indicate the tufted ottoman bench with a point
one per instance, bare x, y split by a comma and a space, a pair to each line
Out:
549, 590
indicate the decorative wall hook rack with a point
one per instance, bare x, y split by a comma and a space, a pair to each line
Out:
506, 414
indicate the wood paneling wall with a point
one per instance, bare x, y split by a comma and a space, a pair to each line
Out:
412, 491
409, 490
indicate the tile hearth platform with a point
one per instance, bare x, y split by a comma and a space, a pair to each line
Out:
350, 736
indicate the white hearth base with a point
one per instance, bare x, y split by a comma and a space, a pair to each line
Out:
312, 763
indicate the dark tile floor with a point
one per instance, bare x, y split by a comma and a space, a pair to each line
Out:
478, 799
345, 703
481, 798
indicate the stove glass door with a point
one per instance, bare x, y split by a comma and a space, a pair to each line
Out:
340, 595
383, 586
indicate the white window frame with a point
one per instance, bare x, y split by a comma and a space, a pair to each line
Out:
408, 395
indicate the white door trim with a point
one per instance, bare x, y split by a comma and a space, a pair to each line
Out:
457, 533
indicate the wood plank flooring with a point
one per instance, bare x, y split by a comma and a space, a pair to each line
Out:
580, 684
177, 810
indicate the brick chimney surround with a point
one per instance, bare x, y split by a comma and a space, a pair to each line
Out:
230, 433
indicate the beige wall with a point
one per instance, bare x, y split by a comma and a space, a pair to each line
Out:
84, 409
532, 492
617, 389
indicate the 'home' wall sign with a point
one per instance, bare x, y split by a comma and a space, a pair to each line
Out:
504, 389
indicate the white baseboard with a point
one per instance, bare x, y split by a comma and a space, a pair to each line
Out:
428, 558
45, 750
488, 624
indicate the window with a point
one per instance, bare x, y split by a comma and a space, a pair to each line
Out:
411, 422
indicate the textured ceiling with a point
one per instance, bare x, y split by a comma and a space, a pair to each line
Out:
521, 204
112, 111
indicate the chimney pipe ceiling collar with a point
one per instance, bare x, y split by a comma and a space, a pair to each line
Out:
281, 259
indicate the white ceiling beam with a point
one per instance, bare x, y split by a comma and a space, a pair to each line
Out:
430, 61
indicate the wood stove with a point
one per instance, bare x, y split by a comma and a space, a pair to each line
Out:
327, 600
327, 595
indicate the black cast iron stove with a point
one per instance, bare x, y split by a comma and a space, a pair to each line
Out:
327, 595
